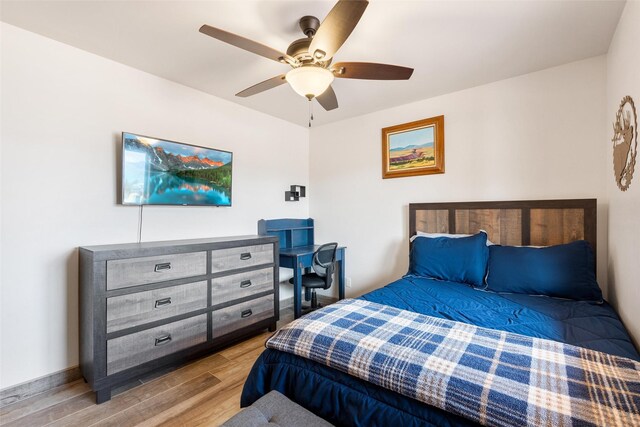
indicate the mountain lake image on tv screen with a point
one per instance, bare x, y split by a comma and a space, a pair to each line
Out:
158, 172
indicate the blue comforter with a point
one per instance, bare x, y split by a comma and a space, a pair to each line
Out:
345, 400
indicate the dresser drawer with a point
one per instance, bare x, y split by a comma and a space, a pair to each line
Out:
245, 256
139, 271
237, 316
236, 286
134, 349
135, 309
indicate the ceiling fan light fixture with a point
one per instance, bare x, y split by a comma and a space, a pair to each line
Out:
309, 81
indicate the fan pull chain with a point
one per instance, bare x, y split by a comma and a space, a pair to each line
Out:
310, 111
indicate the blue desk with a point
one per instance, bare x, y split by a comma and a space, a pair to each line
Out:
298, 259
296, 236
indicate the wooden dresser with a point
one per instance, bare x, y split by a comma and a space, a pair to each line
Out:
149, 305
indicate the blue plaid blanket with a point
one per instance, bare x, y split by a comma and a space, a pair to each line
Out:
492, 377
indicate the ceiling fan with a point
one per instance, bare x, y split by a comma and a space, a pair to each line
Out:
311, 58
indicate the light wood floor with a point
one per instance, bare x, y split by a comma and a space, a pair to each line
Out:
205, 392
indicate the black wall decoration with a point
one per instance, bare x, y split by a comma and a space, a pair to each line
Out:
295, 193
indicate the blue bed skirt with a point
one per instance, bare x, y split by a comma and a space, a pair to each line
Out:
347, 401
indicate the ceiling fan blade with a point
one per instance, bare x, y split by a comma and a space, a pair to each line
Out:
246, 44
262, 86
328, 99
370, 71
336, 28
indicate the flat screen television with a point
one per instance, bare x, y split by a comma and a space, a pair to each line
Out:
160, 172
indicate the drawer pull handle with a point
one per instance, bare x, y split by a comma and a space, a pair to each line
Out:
245, 256
162, 302
245, 283
246, 313
163, 340
159, 268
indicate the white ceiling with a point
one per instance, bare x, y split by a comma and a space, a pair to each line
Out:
451, 44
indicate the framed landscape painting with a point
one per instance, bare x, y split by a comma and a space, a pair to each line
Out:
415, 148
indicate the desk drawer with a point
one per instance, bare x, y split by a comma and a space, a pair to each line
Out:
139, 271
245, 256
135, 309
236, 286
238, 316
132, 350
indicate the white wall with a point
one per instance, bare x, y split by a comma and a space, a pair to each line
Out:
62, 113
623, 78
537, 136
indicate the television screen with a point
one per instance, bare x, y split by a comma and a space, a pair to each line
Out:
159, 172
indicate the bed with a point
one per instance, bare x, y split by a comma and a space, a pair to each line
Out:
345, 400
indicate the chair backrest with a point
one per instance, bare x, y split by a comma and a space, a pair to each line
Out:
324, 261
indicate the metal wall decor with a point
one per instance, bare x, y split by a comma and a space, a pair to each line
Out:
296, 192
625, 143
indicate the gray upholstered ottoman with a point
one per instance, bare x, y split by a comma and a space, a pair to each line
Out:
274, 409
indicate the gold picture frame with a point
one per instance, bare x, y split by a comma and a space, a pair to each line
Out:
415, 148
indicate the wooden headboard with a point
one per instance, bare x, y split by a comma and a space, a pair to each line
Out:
523, 222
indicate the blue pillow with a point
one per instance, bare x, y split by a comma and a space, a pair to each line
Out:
563, 271
462, 259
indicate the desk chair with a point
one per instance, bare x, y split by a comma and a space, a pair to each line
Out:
323, 264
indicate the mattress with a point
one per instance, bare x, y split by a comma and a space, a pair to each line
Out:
344, 400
